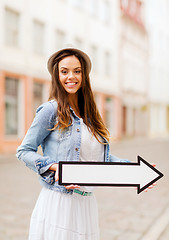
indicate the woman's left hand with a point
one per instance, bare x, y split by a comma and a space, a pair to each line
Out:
154, 184
72, 186
150, 187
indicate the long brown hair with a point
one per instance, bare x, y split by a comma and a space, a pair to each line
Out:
86, 102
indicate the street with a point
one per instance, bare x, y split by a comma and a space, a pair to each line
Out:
123, 214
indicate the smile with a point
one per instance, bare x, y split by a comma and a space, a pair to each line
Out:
71, 83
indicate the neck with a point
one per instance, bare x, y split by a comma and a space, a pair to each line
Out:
73, 101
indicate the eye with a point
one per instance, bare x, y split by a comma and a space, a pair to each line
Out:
63, 71
78, 71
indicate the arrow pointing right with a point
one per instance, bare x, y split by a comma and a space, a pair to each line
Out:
118, 174
147, 175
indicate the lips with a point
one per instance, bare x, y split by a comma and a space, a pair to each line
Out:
70, 84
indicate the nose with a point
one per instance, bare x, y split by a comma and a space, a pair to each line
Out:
70, 75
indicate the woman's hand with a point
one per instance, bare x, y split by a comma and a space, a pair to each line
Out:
154, 184
150, 187
54, 167
72, 186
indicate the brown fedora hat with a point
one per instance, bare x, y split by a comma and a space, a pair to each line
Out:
74, 50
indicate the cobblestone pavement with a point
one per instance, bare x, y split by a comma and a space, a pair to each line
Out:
123, 214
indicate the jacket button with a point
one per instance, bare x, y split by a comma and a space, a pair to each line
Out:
78, 130
76, 149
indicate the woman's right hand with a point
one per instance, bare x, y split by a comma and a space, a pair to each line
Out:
54, 167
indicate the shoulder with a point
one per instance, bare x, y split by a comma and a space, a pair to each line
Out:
46, 113
48, 107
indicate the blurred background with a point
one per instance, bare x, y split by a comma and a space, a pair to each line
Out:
128, 43
127, 40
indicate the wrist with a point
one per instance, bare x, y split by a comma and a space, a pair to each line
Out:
53, 167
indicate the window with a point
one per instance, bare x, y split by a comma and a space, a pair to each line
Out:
11, 106
124, 4
94, 58
78, 3
93, 7
11, 28
37, 95
60, 39
108, 64
38, 37
78, 42
133, 8
106, 11
109, 113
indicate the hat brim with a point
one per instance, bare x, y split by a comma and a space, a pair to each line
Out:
74, 50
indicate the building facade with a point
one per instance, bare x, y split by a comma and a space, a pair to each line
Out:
31, 30
133, 68
119, 38
157, 25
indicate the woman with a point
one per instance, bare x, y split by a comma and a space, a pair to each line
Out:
68, 127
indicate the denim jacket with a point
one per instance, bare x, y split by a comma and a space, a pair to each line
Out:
56, 145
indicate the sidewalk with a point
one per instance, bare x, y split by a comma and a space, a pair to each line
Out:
123, 214
165, 234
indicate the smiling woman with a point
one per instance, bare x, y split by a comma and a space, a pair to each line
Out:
69, 128
71, 87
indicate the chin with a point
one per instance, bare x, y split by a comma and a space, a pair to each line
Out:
73, 91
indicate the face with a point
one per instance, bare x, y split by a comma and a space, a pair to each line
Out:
70, 74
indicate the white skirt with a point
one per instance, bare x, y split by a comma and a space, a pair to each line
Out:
60, 216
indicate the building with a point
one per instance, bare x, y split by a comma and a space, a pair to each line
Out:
133, 68
157, 25
30, 34
128, 51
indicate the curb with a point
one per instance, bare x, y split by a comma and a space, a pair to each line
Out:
158, 227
